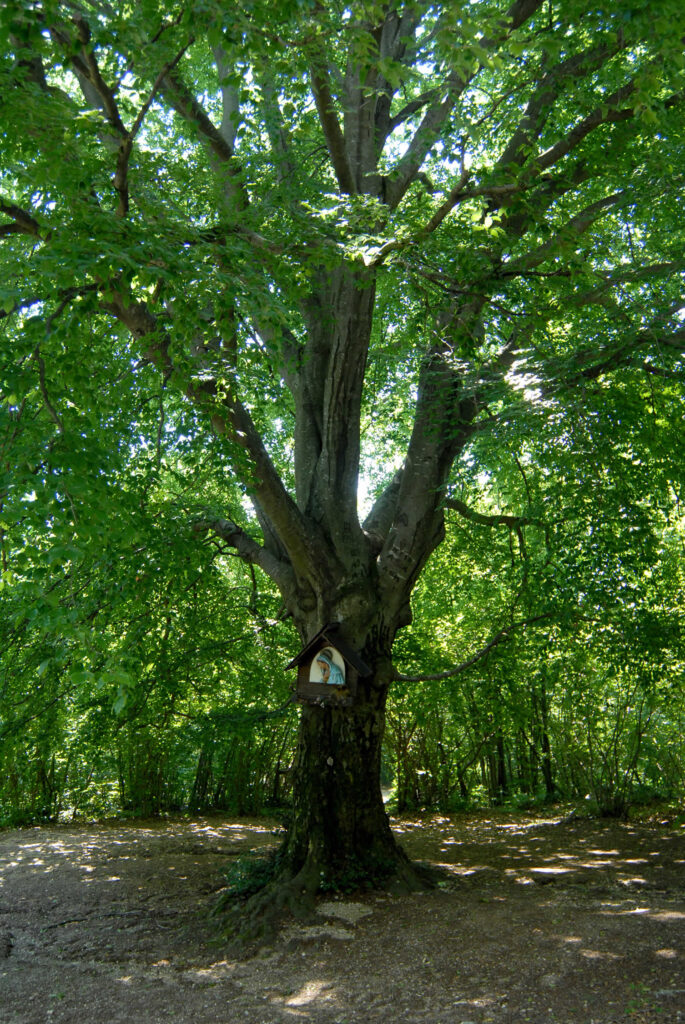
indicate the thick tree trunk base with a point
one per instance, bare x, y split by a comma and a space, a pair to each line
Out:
290, 894
339, 837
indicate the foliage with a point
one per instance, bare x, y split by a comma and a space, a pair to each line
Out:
139, 660
588, 700
249, 255
247, 876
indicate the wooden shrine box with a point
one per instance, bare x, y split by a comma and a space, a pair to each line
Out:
328, 669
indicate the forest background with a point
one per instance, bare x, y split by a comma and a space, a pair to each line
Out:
178, 698
142, 653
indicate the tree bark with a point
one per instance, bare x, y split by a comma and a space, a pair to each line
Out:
340, 835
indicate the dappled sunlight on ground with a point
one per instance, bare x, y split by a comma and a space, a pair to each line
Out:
536, 920
81, 847
310, 992
232, 830
518, 850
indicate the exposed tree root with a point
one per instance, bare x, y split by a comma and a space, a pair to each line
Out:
253, 915
256, 919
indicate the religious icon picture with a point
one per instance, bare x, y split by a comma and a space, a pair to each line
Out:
328, 667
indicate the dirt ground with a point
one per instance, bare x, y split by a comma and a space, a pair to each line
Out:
542, 920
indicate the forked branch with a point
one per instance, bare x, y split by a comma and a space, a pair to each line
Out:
126, 147
230, 417
248, 549
335, 141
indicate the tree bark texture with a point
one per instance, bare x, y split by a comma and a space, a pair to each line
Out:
340, 833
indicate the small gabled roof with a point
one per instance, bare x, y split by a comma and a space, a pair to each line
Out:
330, 634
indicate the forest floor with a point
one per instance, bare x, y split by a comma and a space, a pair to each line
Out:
541, 920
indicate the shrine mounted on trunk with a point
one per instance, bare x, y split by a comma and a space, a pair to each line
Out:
328, 669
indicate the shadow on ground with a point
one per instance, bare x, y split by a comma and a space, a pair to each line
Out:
538, 920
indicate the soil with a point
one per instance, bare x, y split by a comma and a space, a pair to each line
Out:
540, 919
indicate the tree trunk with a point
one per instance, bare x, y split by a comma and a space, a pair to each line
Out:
500, 784
202, 781
547, 769
340, 834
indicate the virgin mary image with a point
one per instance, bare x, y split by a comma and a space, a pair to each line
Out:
330, 672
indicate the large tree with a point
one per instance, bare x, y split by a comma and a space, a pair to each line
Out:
284, 219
